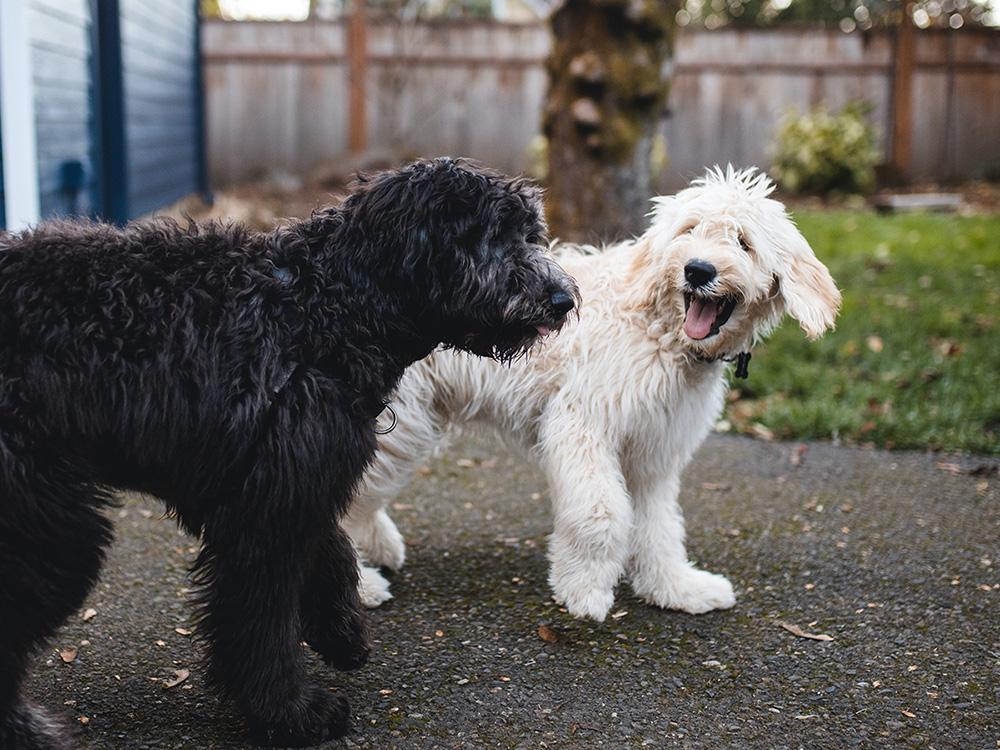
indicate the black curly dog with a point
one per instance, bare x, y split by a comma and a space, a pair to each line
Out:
237, 376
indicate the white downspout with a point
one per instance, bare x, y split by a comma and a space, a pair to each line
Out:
17, 118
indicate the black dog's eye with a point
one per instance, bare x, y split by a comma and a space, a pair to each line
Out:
744, 244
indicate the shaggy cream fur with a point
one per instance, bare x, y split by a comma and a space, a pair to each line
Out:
637, 383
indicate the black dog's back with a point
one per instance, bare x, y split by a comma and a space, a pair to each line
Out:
140, 347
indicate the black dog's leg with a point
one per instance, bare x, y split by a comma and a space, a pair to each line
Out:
254, 567
52, 540
334, 621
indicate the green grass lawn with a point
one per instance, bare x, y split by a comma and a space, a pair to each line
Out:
915, 359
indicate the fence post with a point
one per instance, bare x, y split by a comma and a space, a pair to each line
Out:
901, 145
357, 51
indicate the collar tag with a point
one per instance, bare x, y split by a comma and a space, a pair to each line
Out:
743, 365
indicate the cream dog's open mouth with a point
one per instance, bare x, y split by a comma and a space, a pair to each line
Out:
704, 316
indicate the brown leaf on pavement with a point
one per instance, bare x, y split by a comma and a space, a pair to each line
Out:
714, 486
547, 634
798, 454
68, 655
796, 630
180, 675
89, 614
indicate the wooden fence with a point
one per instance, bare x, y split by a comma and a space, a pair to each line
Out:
286, 96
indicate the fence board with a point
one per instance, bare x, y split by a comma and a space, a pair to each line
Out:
277, 93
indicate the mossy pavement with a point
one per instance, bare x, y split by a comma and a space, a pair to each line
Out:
893, 555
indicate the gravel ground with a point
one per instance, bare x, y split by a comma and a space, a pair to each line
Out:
895, 556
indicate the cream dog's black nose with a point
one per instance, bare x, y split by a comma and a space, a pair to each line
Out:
699, 272
561, 302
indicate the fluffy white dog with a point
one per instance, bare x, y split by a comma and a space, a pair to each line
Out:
638, 383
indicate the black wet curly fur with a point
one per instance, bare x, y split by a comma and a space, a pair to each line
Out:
237, 376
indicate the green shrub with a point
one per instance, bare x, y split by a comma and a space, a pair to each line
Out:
824, 152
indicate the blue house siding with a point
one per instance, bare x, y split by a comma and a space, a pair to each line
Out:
117, 104
3, 203
60, 59
159, 61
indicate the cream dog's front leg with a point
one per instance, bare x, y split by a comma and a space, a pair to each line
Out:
592, 516
658, 566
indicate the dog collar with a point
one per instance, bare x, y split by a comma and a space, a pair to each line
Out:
741, 359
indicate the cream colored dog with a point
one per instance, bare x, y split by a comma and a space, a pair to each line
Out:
614, 407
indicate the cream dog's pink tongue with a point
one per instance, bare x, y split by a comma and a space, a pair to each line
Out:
700, 317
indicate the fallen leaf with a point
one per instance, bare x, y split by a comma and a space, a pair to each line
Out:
761, 431
85, 720
910, 714
930, 374
68, 655
948, 348
796, 630
619, 615
547, 634
465, 463
180, 675
982, 487
89, 614
875, 343
867, 427
951, 468
714, 486
798, 453
182, 631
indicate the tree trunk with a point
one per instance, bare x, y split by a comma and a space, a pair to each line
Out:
607, 91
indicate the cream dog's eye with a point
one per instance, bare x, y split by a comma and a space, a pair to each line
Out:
745, 245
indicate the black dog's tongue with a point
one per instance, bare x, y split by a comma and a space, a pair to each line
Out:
701, 316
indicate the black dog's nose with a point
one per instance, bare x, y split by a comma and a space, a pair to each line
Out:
699, 272
561, 302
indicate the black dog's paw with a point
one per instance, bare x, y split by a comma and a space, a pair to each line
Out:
344, 646
345, 652
315, 718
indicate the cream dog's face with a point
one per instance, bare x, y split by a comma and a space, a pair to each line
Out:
733, 263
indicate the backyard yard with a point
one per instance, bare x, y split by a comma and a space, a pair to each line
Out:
850, 491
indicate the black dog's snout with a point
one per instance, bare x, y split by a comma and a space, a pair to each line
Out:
561, 302
699, 272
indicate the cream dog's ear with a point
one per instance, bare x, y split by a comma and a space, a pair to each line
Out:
808, 290
664, 211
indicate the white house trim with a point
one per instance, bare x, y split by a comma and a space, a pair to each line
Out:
17, 117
